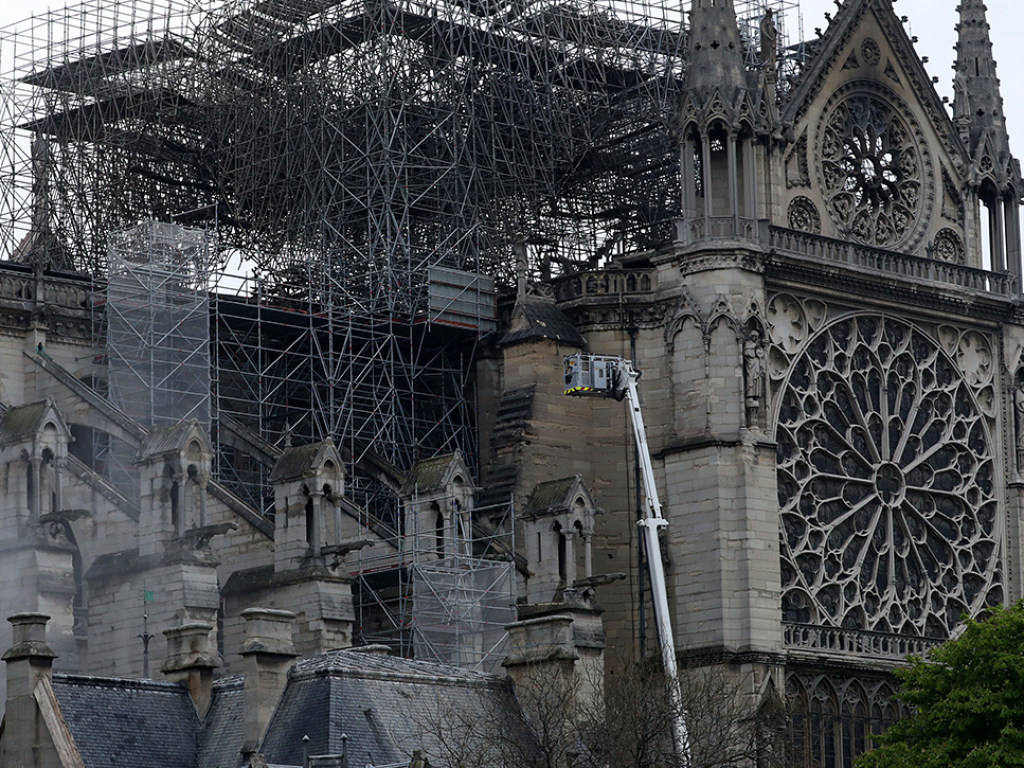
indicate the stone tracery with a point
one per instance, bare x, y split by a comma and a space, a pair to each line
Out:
871, 169
886, 479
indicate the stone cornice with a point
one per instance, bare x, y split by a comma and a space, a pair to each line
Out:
718, 654
785, 271
700, 444
694, 261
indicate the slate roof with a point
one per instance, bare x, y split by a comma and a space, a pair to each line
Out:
129, 723
385, 706
167, 439
428, 474
21, 423
301, 461
535, 317
549, 494
223, 732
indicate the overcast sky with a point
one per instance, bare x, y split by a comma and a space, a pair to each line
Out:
932, 21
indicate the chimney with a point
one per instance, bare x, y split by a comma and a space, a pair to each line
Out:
28, 659
189, 658
267, 655
555, 645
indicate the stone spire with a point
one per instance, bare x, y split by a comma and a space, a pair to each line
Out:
978, 105
979, 118
714, 54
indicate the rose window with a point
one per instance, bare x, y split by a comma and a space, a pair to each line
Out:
886, 487
871, 170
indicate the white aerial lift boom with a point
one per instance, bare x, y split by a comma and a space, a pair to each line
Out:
608, 376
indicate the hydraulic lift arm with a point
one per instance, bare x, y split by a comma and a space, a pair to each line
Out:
608, 376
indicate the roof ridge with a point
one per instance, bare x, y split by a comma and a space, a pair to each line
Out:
120, 682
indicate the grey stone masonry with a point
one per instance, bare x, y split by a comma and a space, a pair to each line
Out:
190, 659
267, 655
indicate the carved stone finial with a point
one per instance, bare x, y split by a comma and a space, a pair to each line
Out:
522, 267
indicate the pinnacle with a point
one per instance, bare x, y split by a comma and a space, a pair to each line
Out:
715, 55
978, 104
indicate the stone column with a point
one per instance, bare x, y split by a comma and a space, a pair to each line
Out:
997, 231
689, 180
58, 484
706, 181
201, 485
750, 180
1013, 245
734, 184
315, 542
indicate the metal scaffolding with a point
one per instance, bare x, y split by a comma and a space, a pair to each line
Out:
153, 332
366, 168
342, 149
450, 606
158, 324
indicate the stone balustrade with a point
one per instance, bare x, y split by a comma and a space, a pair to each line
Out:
854, 642
605, 283
66, 294
865, 258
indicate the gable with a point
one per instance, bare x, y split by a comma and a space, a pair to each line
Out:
26, 423
875, 158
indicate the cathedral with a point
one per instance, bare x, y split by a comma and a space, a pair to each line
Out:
832, 376
831, 341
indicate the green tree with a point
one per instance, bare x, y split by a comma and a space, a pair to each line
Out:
967, 699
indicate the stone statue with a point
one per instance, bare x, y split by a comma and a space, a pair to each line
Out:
1018, 408
753, 375
961, 98
769, 41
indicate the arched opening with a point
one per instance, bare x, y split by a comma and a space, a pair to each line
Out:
435, 513
563, 565
48, 481
310, 518
174, 492
994, 226
1000, 218
720, 165
30, 487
